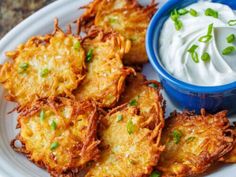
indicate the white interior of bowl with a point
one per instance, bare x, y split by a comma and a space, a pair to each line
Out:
13, 164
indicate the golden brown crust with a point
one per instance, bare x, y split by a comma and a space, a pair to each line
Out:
106, 74
194, 142
131, 138
75, 132
124, 16
44, 66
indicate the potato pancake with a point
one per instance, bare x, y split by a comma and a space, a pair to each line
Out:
44, 66
59, 135
194, 142
106, 74
130, 140
124, 16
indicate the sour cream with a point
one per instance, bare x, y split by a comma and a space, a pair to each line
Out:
174, 46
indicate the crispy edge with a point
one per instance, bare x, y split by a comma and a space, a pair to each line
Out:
205, 161
90, 144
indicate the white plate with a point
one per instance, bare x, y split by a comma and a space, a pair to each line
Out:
13, 164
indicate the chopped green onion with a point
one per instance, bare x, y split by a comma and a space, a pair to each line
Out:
54, 145
193, 48
230, 38
77, 45
133, 102
153, 85
190, 139
24, 66
211, 12
130, 126
44, 72
89, 55
194, 56
42, 115
53, 125
207, 37
178, 25
177, 136
182, 11
112, 20
228, 50
155, 174
174, 15
206, 57
193, 12
119, 118
232, 22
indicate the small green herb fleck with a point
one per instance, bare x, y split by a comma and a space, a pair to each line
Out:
133, 102
177, 136
53, 125
77, 45
211, 12
228, 50
42, 115
130, 126
178, 25
112, 20
44, 72
24, 66
153, 85
182, 11
190, 139
193, 12
119, 118
206, 57
230, 38
89, 55
232, 22
54, 145
155, 174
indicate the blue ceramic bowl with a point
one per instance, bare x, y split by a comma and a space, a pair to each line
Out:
184, 95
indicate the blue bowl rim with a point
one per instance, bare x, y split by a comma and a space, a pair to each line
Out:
155, 62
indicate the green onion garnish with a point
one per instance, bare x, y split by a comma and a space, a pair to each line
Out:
174, 15
130, 126
207, 37
112, 20
89, 55
206, 57
193, 12
77, 45
153, 85
178, 25
42, 115
232, 22
194, 54
182, 11
177, 136
24, 66
44, 72
119, 118
53, 125
133, 102
230, 38
54, 145
212, 13
155, 174
193, 49
190, 139
228, 50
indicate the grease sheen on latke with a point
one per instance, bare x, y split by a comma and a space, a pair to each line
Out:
126, 17
44, 66
131, 140
193, 143
59, 135
106, 74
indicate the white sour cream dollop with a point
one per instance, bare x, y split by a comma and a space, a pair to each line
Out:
174, 46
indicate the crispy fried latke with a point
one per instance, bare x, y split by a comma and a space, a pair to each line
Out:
44, 66
59, 135
124, 16
131, 135
194, 142
106, 74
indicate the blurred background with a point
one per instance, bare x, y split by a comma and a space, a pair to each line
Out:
14, 11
